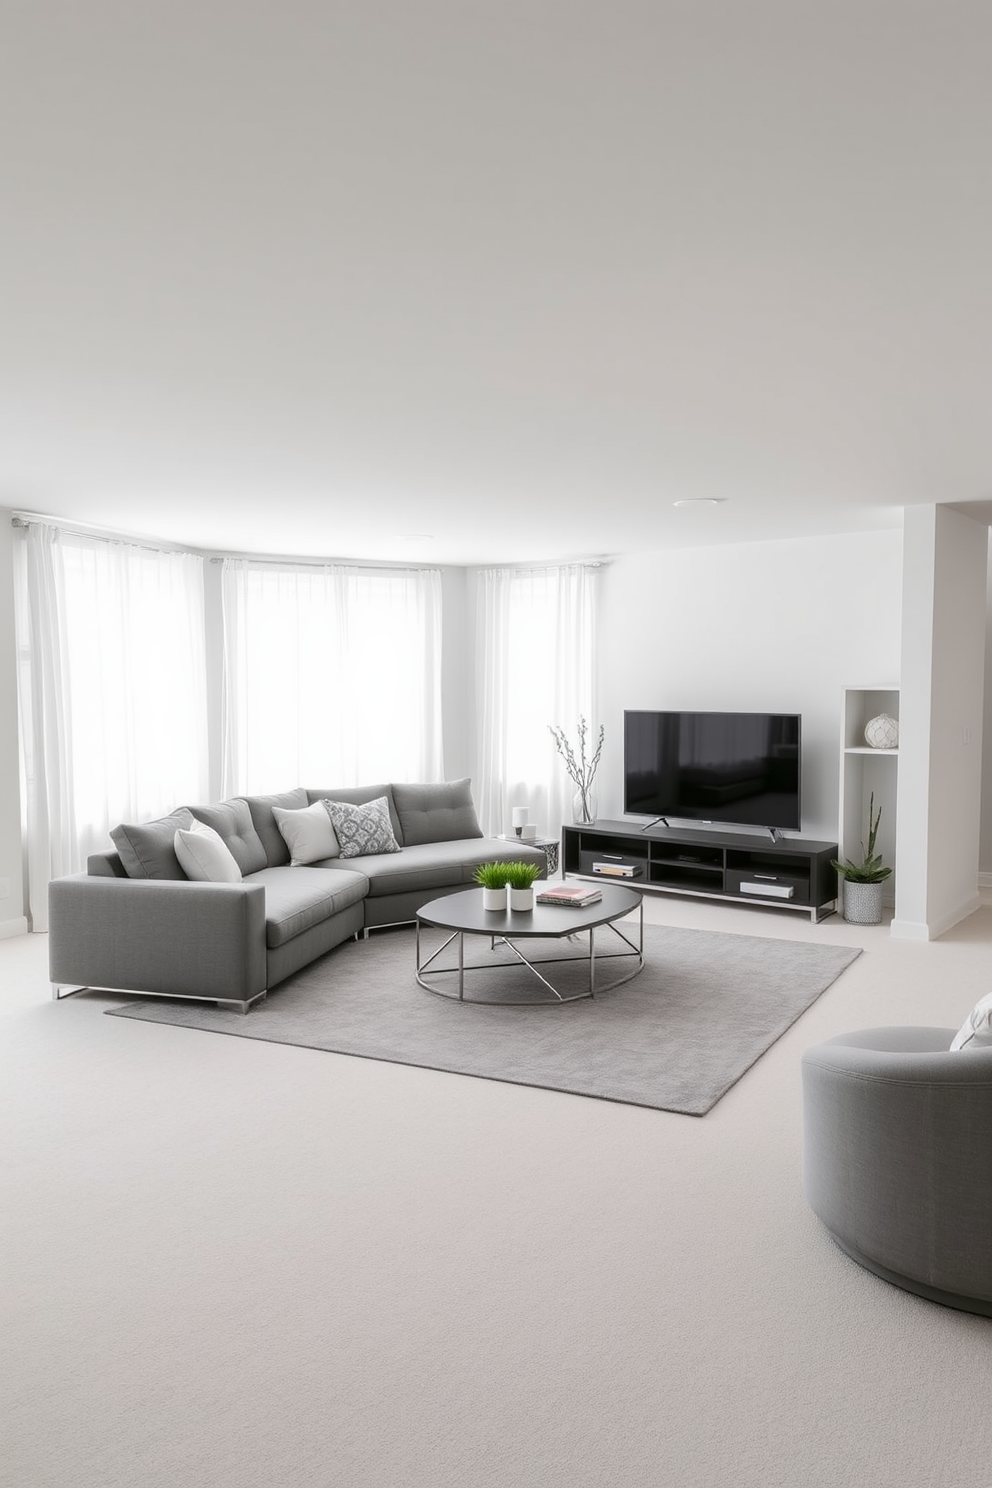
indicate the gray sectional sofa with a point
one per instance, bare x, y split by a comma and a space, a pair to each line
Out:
134, 922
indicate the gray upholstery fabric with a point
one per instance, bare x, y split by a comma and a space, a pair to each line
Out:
298, 898
360, 795
443, 812
179, 938
438, 865
232, 821
146, 848
265, 824
897, 1142
400, 909
281, 961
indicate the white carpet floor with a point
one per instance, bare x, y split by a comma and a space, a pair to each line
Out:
231, 1264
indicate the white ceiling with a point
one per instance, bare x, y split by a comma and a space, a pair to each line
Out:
316, 278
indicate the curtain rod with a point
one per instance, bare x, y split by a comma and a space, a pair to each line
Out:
108, 534
210, 555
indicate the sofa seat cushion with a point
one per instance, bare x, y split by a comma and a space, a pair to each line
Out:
438, 865
298, 898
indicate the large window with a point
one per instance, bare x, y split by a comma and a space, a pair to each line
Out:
332, 675
112, 692
535, 632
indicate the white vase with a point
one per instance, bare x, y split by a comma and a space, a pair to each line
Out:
494, 899
862, 903
522, 899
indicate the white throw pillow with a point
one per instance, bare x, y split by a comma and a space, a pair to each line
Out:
307, 833
204, 855
976, 1030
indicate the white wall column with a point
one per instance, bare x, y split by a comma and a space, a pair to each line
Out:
942, 683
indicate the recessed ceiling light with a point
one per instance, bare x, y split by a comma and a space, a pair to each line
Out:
701, 501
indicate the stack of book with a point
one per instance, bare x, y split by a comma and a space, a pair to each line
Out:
574, 894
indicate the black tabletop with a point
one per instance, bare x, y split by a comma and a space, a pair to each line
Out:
464, 911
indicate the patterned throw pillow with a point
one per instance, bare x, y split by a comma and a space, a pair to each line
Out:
362, 829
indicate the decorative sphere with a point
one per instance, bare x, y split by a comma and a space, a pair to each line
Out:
882, 732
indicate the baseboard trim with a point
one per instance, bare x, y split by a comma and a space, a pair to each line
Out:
10, 928
985, 880
934, 929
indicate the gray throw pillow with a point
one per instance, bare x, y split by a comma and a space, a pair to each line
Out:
147, 849
442, 812
362, 829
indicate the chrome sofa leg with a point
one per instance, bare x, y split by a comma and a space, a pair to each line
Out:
241, 1007
61, 990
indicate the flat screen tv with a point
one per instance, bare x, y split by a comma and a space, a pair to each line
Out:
735, 768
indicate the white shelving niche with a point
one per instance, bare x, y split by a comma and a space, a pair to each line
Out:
865, 771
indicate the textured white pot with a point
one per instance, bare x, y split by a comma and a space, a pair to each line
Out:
862, 903
494, 899
522, 899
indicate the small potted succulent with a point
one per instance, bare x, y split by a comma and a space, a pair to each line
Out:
863, 881
520, 881
492, 878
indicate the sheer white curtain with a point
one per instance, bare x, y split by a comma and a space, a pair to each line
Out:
332, 675
111, 689
535, 666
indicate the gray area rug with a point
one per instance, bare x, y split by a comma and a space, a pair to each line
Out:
675, 1038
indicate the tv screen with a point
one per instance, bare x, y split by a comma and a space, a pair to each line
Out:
738, 768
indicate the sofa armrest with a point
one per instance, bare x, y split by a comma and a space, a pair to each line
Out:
158, 935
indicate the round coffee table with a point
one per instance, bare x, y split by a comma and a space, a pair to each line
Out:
462, 913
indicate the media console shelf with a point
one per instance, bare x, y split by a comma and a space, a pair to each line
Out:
790, 873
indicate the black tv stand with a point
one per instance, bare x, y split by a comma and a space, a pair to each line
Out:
655, 822
787, 873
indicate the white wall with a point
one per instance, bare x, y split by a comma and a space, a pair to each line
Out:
12, 921
942, 706
766, 627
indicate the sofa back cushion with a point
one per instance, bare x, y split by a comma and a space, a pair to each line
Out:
361, 795
147, 849
261, 807
231, 820
444, 812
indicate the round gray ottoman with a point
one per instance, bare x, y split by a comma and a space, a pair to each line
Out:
897, 1158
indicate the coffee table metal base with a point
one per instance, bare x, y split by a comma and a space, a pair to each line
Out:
556, 998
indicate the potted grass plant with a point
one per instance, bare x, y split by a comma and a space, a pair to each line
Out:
520, 882
492, 879
863, 881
